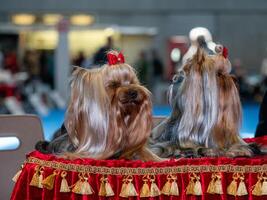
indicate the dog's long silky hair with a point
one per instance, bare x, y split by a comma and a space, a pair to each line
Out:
225, 133
130, 118
197, 102
87, 116
109, 113
206, 110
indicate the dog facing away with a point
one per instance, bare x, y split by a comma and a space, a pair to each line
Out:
109, 115
206, 111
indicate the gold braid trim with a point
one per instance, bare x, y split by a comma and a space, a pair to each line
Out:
148, 171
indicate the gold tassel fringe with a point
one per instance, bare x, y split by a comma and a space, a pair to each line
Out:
211, 187
37, 177
264, 186
190, 186
174, 187
257, 188
64, 187
218, 189
49, 181
167, 187
232, 188
124, 188
109, 191
105, 188
17, 175
197, 186
154, 190
194, 187
242, 190
128, 189
145, 191
82, 186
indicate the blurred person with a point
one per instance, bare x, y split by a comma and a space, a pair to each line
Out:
79, 59
10, 62
157, 66
100, 56
31, 63
47, 68
262, 124
88, 63
239, 72
142, 65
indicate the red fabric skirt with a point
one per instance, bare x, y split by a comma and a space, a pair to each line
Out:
51, 177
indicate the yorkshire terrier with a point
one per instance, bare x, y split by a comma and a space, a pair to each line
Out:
109, 115
206, 111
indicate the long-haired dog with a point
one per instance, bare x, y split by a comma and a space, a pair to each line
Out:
109, 114
206, 111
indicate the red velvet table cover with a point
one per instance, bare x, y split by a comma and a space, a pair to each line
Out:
142, 176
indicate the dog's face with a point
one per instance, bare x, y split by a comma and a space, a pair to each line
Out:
130, 105
123, 89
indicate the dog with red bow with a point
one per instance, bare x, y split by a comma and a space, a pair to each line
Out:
206, 111
109, 115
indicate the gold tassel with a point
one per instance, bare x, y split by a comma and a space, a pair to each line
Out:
167, 187
17, 175
232, 188
130, 190
145, 192
190, 186
241, 190
102, 189
64, 187
82, 186
109, 191
37, 177
174, 191
123, 192
257, 188
211, 187
264, 186
105, 188
218, 189
197, 186
49, 181
154, 190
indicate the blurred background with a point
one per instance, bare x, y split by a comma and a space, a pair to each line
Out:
40, 41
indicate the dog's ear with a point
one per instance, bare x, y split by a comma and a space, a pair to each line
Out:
199, 56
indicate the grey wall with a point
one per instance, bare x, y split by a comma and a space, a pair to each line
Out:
239, 24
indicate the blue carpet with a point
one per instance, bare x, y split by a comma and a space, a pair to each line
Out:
54, 120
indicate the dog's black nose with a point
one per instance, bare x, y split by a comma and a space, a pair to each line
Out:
132, 94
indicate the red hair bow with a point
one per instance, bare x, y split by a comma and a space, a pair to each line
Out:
225, 52
115, 59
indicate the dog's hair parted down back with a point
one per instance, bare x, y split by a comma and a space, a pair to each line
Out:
206, 111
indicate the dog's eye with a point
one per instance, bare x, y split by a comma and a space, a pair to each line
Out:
114, 84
